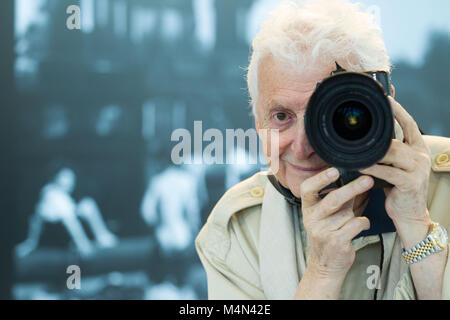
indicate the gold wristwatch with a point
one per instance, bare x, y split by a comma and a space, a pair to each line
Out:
436, 240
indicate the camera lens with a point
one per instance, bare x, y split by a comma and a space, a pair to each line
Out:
352, 121
349, 121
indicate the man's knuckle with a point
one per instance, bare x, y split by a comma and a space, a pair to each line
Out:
333, 202
397, 175
305, 190
309, 198
347, 213
425, 159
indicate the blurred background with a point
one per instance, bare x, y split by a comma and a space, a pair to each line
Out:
86, 123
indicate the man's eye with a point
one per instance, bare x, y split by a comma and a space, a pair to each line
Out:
281, 116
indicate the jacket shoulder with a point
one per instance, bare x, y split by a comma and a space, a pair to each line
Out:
243, 202
439, 188
246, 194
439, 152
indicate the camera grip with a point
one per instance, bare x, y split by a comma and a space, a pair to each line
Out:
349, 176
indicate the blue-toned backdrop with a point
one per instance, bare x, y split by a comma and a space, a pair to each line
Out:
87, 117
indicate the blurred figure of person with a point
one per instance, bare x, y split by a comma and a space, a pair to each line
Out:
57, 205
179, 192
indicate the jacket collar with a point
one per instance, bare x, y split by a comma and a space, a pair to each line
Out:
277, 247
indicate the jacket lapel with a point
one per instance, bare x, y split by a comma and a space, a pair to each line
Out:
277, 259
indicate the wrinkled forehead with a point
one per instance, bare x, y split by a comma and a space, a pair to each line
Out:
282, 84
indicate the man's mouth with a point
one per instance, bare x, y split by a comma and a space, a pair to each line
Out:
307, 169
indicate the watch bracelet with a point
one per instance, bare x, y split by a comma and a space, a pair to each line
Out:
421, 250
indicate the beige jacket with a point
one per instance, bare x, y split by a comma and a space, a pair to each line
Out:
253, 245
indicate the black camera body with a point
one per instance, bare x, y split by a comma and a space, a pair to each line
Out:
349, 122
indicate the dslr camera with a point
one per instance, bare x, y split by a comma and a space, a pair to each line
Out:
349, 122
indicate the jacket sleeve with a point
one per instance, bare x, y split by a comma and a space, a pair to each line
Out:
229, 259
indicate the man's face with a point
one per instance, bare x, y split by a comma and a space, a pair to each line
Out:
283, 97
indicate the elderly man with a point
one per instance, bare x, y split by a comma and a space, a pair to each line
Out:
259, 244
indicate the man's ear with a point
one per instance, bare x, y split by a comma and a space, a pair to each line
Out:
393, 91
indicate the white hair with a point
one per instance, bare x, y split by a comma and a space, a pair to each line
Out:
315, 35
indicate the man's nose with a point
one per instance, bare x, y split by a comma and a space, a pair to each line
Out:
300, 144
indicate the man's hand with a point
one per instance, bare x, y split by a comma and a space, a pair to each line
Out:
330, 225
406, 202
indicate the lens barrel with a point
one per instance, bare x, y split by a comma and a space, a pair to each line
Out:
349, 121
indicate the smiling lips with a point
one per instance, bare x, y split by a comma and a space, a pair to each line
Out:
307, 169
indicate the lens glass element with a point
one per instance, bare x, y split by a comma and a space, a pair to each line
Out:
352, 120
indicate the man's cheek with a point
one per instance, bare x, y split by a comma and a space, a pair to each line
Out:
272, 148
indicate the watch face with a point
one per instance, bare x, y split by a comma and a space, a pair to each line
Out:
441, 236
